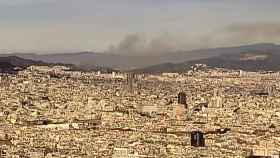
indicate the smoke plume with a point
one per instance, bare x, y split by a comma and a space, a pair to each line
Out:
232, 35
254, 33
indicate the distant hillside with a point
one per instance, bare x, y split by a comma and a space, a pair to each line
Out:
6, 67
129, 62
248, 61
20, 62
8, 64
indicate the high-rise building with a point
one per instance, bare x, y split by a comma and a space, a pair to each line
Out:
182, 99
197, 139
217, 99
270, 90
130, 82
113, 74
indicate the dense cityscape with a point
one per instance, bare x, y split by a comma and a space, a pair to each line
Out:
139, 79
205, 112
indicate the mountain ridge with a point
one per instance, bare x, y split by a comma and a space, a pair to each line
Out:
253, 61
133, 61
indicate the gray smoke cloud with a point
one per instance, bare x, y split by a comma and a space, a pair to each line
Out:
257, 32
232, 35
138, 44
133, 43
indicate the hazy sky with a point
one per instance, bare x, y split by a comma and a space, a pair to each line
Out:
135, 25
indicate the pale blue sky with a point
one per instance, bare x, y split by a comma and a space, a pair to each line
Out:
74, 25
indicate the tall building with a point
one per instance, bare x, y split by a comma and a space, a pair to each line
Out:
217, 99
197, 139
113, 74
133, 82
130, 82
270, 90
182, 99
